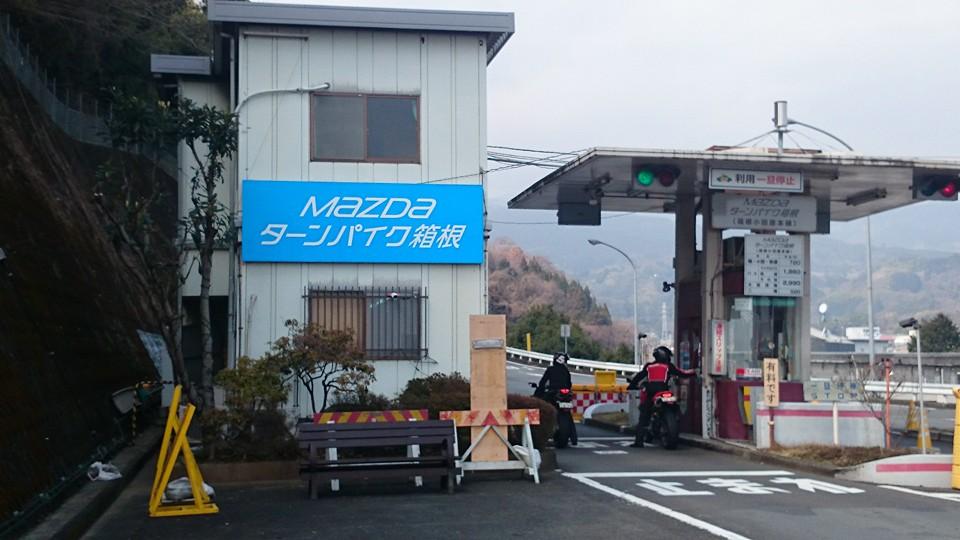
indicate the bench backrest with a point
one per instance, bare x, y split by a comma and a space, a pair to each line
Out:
430, 432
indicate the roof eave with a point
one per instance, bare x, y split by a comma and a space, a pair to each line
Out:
496, 26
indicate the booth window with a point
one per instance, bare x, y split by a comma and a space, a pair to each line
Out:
361, 127
385, 323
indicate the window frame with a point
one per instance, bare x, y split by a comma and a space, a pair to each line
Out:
366, 128
367, 294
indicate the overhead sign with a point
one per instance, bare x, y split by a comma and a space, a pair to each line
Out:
718, 365
773, 265
750, 180
771, 382
341, 222
831, 391
771, 212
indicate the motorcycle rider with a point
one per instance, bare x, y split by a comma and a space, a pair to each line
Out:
654, 377
556, 378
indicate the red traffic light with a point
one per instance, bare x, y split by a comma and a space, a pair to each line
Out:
949, 190
942, 187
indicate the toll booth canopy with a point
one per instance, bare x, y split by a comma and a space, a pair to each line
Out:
743, 295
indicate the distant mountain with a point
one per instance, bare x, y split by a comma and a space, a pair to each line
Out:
520, 282
916, 262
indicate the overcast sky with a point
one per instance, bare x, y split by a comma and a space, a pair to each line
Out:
882, 75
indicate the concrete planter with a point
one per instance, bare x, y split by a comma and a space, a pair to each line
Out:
236, 472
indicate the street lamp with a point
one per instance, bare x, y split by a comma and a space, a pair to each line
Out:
636, 333
913, 323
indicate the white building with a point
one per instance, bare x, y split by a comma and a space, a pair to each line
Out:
358, 181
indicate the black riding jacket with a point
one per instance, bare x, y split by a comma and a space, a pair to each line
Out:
555, 378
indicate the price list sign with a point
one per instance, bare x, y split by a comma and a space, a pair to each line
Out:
773, 265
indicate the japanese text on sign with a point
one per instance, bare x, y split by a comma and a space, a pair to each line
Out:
771, 382
719, 364
362, 222
831, 391
740, 180
781, 213
773, 265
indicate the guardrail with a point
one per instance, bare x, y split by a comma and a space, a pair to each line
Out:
579, 363
80, 117
940, 393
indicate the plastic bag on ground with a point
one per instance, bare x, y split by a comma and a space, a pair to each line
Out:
103, 471
522, 451
179, 490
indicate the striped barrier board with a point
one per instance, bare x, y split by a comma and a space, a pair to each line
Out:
583, 398
370, 417
492, 417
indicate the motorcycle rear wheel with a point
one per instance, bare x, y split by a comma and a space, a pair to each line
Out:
669, 429
562, 436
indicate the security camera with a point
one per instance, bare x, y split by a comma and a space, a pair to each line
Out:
908, 323
668, 286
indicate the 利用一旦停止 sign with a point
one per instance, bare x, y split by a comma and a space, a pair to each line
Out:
750, 180
355, 222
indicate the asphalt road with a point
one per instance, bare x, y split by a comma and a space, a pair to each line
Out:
722, 495
602, 489
719, 495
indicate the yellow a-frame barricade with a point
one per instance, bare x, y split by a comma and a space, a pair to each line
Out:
169, 450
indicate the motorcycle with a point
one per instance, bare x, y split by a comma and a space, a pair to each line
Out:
665, 419
562, 401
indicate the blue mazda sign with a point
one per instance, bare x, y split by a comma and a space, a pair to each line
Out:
355, 222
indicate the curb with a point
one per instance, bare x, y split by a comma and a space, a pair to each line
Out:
733, 449
82, 509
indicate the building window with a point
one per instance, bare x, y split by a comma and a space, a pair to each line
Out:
359, 127
385, 323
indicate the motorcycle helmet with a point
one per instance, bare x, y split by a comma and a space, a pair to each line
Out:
662, 354
560, 359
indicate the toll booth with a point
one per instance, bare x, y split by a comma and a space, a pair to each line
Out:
742, 294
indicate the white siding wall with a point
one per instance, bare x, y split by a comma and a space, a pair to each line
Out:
449, 73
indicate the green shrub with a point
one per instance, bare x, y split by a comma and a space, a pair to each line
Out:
438, 392
361, 401
548, 420
251, 427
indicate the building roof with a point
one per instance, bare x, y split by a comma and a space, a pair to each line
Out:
855, 185
497, 26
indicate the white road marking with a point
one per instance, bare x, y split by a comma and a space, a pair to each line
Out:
589, 444
609, 452
953, 497
669, 489
660, 509
813, 486
680, 474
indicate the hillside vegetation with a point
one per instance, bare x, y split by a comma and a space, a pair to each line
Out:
537, 298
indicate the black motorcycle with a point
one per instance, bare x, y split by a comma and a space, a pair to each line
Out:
665, 419
562, 401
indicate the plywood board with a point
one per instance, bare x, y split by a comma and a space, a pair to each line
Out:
488, 381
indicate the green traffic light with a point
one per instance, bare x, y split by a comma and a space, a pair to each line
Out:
645, 177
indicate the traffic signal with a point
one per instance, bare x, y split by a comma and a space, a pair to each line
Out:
936, 187
664, 175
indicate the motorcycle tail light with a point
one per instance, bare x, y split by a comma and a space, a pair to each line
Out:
564, 390
667, 394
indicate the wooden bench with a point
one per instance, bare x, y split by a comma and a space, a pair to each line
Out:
318, 464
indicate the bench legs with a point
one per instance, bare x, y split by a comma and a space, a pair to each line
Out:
414, 451
332, 456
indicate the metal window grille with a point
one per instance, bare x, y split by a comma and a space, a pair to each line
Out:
386, 323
